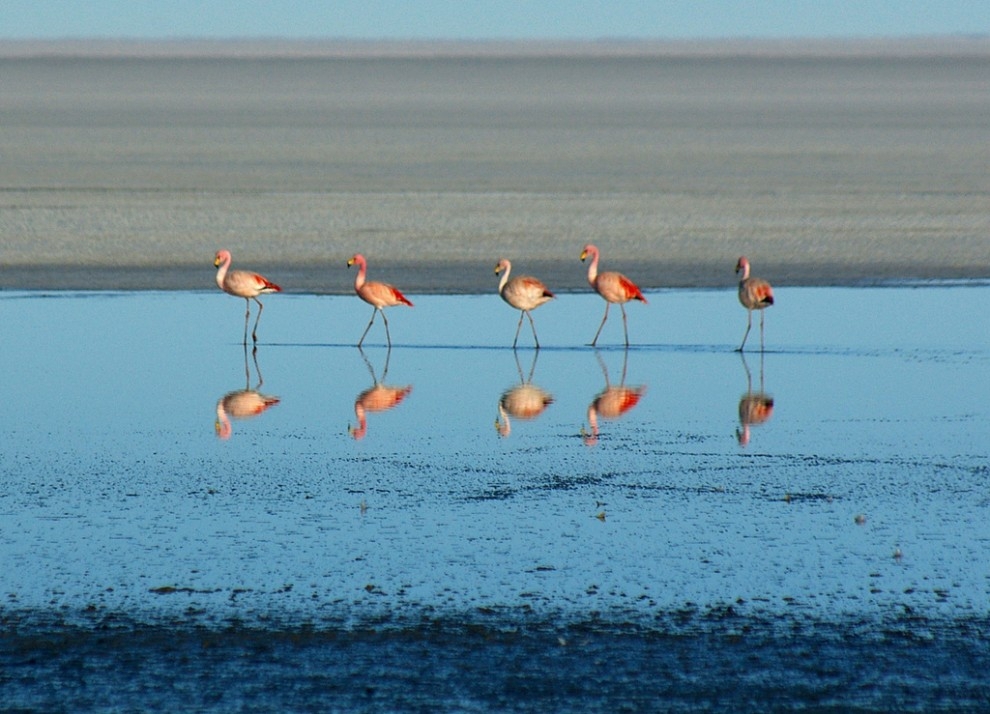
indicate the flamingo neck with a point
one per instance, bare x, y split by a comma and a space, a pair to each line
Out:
222, 424
744, 267
361, 276
505, 277
222, 272
593, 266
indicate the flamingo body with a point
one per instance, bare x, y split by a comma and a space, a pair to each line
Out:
240, 404
377, 398
524, 293
244, 284
754, 294
377, 294
613, 287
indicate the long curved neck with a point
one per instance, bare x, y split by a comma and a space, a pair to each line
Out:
505, 276
222, 272
593, 266
361, 276
744, 267
223, 427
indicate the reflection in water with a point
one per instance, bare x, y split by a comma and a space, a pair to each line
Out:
242, 403
524, 401
755, 408
611, 402
378, 397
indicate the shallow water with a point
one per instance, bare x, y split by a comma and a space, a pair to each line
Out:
860, 498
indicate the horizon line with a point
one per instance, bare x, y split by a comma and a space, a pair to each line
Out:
274, 47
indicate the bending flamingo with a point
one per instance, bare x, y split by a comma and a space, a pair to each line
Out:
245, 284
379, 295
524, 293
754, 294
614, 287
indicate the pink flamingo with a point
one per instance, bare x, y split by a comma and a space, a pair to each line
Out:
245, 284
379, 397
242, 403
614, 287
755, 408
754, 294
524, 401
379, 295
524, 293
611, 403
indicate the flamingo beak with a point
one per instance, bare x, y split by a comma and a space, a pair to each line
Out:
584, 254
216, 263
350, 262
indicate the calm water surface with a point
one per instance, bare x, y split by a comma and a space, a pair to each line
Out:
670, 503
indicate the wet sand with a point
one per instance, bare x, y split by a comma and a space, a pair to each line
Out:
128, 171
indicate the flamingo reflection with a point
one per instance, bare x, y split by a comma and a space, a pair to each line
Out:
755, 408
244, 403
612, 402
379, 397
524, 401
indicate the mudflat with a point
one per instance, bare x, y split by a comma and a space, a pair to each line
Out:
129, 169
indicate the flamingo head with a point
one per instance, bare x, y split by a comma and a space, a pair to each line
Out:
503, 264
221, 257
223, 430
589, 250
356, 258
742, 265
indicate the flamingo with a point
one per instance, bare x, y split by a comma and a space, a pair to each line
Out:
242, 403
379, 295
755, 408
754, 294
524, 293
378, 397
245, 284
524, 401
611, 403
614, 287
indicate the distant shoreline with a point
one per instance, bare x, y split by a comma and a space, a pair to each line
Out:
269, 48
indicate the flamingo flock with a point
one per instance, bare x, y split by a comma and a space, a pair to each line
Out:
524, 293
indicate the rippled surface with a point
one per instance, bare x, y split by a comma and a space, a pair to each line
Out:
840, 477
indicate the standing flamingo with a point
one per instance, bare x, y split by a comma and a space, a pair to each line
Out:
379, 397
754, 294
245, 284
755, 408
614, 287
242, 403
523, 401
611, 403
524, 293
379, 295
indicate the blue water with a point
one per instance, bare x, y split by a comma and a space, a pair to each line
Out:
856, 508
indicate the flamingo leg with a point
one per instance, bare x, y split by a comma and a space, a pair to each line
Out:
254, 333
388, 337
625, 327
533, 325
518, 327
762, 316
370, 323
247, 315
607, 306
749, 324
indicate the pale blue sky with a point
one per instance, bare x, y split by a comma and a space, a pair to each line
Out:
492, 19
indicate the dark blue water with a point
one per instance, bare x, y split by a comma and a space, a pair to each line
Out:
347, 548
